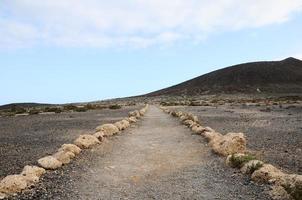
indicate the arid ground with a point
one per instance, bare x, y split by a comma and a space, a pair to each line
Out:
273, 133
24, 139
157, 159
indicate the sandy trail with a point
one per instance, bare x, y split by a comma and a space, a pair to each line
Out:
159, 159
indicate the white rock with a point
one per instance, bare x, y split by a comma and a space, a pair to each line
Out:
49, 162
108, 129
132, 119
268, 173
86, 141
2, 195
99, 135
12, 184
125, 123
188, 123
32, 174
119, 125
135, 114
64, 156
230, 143
70, 147
197, 129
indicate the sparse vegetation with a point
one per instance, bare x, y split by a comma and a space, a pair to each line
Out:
18, 110
254, 167
34, 111
90, 106
52, 109
115, 106
81, 109
239, 161
69, 107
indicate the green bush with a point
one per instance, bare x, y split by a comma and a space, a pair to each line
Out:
255, 167
18, 110
34, 111
69, 107
90, 106
239, 161
81, 109
114, 107
52, 109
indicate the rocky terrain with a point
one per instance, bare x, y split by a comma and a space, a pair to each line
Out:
158, 159
24, 139
273, 133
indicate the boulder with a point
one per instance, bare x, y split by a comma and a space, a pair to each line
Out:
70, 147
2, 195
293, 185
267, 174
108, 129
64, 156
230, 143
119, 125
86, 141
125, 123
197, 129
99, 135
277, 192
12, 184
183, 118
174, 114
179, 114
49, 162
135, 114
188, 123
132, 119
192, 117
142, 112
32, 174
33, 170
210, 134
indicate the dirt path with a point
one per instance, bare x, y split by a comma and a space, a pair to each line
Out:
159, 159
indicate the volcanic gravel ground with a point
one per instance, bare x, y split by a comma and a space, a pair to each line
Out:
157, 159
275, 134
24, 139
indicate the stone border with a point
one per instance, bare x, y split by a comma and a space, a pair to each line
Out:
30, 175
233, 147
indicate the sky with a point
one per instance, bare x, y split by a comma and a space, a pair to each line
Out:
55, 51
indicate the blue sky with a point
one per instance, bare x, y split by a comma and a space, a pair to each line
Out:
70, 51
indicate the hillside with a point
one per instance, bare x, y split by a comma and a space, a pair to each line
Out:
23, 105
283, 76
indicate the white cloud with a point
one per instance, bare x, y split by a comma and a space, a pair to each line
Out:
139, 23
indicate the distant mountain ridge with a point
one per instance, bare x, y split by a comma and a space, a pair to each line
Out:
283, 76
23, 105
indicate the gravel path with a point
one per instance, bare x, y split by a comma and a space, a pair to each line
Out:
24, 139
276, 136
158, 159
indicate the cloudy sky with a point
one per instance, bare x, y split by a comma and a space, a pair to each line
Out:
79, 50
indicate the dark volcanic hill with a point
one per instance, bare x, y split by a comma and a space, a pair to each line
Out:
283, 76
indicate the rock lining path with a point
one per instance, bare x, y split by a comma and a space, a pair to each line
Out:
159, 159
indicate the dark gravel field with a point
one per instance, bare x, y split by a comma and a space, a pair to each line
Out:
275, 134
24, 139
